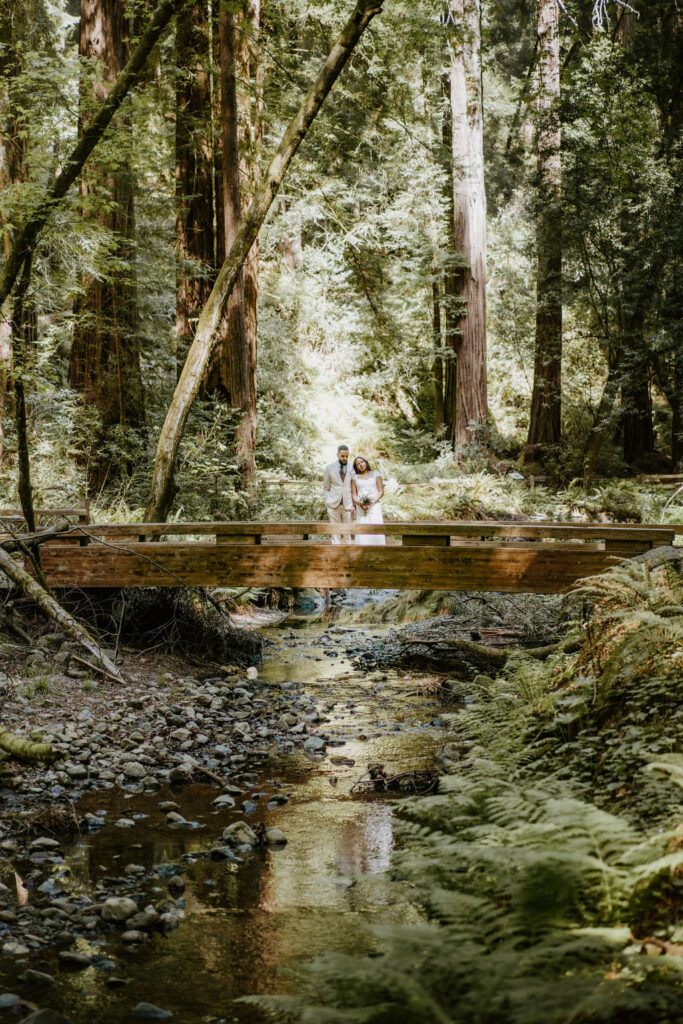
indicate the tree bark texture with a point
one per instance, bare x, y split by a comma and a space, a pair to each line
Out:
161, 493
104, 365
21, 749
636, 401
469, 223
88, 139
546, 398
438, 344
230, 367
23, 324
196, 214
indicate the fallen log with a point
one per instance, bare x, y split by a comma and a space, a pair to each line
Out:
54, 610
25, 750
497, 655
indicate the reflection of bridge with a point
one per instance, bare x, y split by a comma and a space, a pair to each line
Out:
512, 557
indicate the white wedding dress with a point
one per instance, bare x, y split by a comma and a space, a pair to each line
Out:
367, 487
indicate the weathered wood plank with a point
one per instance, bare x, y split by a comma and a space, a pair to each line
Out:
592, 531
521, 568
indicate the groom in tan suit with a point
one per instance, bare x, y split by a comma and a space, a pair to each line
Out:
337, 488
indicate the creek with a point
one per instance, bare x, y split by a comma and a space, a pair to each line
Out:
247, 922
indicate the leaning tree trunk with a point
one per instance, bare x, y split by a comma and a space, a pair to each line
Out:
469, 223
161, 493
33, 590
104, 365
546, 399
196, 209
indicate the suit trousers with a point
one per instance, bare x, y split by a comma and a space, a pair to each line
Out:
340, 515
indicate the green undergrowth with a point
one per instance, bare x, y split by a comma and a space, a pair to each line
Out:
550, 863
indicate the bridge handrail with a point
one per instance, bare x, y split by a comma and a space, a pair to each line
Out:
457, 528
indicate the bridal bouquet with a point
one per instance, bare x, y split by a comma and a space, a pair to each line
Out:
365, 502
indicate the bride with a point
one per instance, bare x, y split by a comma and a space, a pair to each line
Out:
367, 489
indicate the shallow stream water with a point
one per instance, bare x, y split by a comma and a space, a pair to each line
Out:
247, 924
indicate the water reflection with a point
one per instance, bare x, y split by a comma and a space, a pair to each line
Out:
245, 923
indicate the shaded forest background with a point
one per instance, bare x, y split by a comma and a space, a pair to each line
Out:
353, 316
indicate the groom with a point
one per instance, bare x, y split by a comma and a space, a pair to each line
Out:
337, 488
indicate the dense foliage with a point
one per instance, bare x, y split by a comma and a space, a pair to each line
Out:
359, 238
549, 864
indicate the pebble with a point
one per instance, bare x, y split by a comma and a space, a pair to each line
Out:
148, 1011
240, 834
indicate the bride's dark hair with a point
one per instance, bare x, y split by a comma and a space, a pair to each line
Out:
367, 464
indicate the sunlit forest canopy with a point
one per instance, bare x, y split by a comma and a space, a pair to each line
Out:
545, 336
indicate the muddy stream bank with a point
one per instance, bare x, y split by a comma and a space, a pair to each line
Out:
224, 919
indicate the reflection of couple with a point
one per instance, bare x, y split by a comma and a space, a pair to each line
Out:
353, 487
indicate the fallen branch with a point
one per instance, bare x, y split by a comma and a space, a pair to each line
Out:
54, 610
99, 669
25, 750
30, 540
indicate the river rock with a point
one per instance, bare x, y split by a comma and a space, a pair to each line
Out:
133, 936
314, 745
176, 885
39, 978
240, 834
168, 921
173, 818
148, 1011
125, 823
45, 1017
181, 774
134, 770
74, 958
14, 949
276, 837
224, 800
8, 1000
118, 908
44, 843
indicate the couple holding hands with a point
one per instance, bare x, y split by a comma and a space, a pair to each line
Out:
353, 487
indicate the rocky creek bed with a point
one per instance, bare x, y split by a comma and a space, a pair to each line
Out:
197, 831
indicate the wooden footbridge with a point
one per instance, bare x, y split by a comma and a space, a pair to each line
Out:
484, 556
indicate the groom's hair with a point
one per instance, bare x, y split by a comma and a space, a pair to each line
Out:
343, 448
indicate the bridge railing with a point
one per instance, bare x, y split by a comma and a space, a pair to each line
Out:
632, 537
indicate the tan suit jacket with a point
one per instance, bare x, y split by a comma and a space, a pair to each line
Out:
336, 492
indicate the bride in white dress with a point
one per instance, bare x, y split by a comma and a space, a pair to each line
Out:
367, 489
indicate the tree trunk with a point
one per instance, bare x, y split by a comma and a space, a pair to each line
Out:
636, 401
543, 438
438, 345
88, 140
469, 223
230, 365
21, 329
161, 492
604, 420
197, 214
104, 364
32, 589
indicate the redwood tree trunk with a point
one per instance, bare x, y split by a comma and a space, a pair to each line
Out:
161, 492
546, 408
196, 213
105, 351
233, 363
469, 224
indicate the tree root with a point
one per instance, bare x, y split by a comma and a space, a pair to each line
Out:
25, 750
